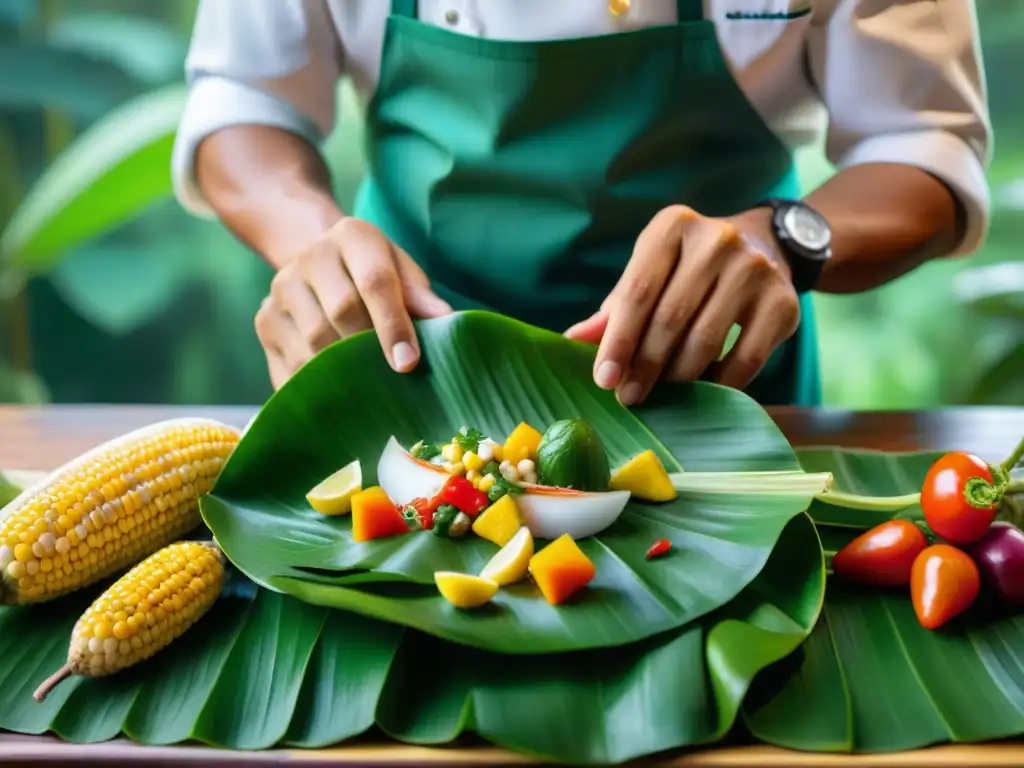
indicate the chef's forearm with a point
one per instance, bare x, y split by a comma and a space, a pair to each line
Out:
269, 187
886, 220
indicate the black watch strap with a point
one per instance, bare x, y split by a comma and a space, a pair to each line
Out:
805, 261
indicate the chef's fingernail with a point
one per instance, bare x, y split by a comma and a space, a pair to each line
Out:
403, 356
608, 374
630, 394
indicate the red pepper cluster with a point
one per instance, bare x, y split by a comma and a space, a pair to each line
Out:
960, 499
458, 492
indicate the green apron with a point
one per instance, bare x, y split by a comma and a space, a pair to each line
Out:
519, 174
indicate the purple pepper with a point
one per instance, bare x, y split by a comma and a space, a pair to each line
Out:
1000, 558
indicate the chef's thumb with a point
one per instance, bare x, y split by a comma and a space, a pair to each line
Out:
423, 302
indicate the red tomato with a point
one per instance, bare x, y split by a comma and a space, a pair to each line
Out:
945, 506
883, 556
944, 582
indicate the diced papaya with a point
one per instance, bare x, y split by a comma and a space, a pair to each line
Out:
375, 516
561, 570
521, 444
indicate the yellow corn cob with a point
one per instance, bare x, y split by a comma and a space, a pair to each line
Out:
144, 611
109, 508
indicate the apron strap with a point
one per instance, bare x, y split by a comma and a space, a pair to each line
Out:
690, 10
406, 8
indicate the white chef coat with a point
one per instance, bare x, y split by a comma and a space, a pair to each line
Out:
889, 80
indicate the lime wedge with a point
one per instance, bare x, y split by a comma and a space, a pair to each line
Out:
512, 561
334, 495
463, 590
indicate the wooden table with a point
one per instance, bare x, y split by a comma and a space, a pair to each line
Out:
43, 438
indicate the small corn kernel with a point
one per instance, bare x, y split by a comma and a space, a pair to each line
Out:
473, 461
525, 467
454, 469
452, 453
110, 508
485, 483
530, 478
509, 472
472, 475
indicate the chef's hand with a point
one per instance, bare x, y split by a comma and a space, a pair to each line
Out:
351, 279
689, 280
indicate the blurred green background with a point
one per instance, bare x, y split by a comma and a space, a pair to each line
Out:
109, 292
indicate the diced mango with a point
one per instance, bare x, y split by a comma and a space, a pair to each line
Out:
499, 522
561, 570
375, 516
645, 477
521, 444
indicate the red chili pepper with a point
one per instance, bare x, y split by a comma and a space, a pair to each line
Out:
425, 509
883, 556
461, 494
944, 583
658, 548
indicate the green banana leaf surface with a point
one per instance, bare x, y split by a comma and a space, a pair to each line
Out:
871, 678
264, 669
489, 372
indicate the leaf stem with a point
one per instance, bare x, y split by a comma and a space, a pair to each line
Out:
1014, 486
870, 503
1014, 511
785, 482
1012, 460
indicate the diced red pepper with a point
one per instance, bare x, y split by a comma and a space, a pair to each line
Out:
658, 548
425, 509
461, 494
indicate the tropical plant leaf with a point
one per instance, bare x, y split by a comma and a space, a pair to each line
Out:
994, 289
261, 661
609, 706
68, 81
145, 47
877, 482
119, 288
109, 174
1000, 382
491, 372
871, 679
874, 680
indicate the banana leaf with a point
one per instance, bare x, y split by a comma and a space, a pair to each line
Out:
870, 678
263, 669
868, 486
490, 372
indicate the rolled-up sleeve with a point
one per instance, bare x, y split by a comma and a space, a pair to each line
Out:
255, 62
903, 83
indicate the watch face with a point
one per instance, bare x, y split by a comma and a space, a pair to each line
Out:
808, 229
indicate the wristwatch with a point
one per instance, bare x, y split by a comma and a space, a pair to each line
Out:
804, 237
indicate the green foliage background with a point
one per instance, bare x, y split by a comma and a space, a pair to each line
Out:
109, 292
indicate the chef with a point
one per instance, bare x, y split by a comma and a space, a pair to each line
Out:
617, 170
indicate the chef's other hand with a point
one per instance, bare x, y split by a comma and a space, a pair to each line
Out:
689, 280
351, 279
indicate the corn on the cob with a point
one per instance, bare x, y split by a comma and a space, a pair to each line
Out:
109, 508
144, 611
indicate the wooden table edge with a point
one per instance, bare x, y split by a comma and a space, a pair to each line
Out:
43, 750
